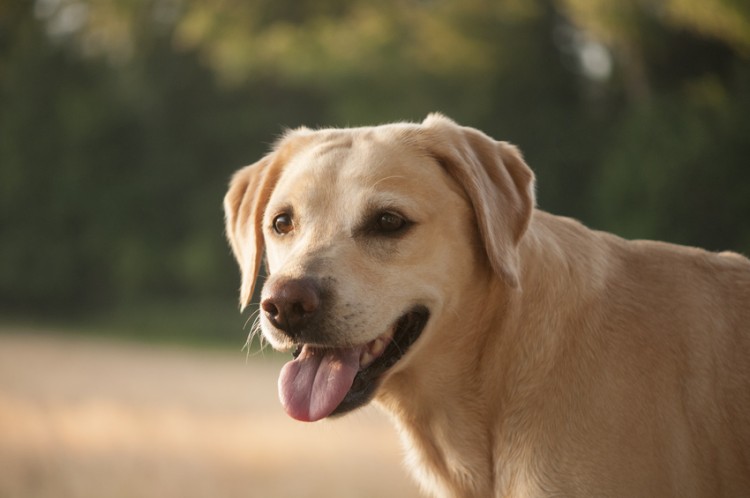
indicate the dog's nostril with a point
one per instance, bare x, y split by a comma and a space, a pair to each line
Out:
297, 309
269, 307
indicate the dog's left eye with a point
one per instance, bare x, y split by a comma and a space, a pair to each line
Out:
390, 223
283, 224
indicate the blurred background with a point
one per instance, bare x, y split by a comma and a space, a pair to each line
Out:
121, 122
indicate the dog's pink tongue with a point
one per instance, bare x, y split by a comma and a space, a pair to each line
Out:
314, 384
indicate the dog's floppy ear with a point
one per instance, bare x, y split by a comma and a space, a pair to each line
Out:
498, 183
244, 205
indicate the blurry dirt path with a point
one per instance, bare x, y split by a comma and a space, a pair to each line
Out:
83, 417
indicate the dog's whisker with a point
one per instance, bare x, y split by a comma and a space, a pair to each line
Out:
253, 316
255, 331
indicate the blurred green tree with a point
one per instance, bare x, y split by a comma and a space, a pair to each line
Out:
121, 120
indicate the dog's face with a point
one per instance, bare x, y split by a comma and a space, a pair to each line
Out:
368, 234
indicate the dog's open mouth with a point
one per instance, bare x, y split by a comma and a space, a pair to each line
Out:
320, 381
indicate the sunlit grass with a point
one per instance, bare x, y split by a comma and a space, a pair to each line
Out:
91, 417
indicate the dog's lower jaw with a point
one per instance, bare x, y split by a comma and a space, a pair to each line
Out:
407, 330
323, 381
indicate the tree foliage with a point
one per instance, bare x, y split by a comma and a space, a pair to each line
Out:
121, 120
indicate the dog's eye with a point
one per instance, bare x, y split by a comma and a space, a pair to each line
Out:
282, 224
390, 222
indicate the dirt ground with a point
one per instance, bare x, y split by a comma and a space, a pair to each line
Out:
82, 417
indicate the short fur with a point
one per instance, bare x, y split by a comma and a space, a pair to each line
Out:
557, 361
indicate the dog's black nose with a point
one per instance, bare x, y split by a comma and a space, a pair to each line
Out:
290, 304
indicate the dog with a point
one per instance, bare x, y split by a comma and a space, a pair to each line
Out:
519, 353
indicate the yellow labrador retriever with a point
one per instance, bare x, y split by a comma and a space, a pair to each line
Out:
520, 353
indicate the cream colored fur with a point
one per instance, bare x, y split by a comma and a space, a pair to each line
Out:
557, 361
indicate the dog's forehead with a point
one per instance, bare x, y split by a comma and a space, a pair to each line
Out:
353, 163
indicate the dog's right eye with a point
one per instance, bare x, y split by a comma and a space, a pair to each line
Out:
390, 224
282, 224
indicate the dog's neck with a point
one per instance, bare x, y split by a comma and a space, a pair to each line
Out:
456, 435
450, 437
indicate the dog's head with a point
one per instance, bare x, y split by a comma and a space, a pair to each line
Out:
369, 234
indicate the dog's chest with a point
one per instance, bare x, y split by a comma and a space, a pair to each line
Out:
446, 462
451, 463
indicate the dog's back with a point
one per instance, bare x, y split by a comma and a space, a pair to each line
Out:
656, 386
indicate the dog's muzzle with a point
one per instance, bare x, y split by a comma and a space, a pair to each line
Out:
325, 380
